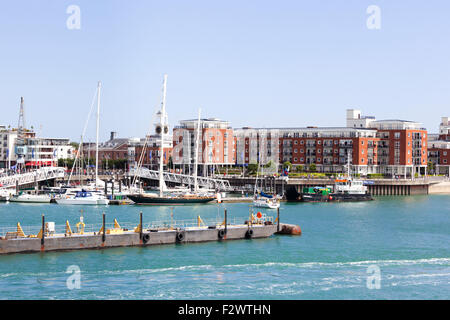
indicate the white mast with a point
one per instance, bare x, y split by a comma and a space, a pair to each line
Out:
197, 142
348, 164
99, 85
163, 128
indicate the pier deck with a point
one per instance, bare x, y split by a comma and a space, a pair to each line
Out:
122, 237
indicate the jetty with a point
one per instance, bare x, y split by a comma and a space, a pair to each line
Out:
49, 237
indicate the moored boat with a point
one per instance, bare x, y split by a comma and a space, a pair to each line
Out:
30, 198
83, 198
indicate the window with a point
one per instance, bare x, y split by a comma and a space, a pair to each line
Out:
295, 142
397, 135
295, 159
301, 159
302, 150
319, 159
302, 142
362, 160
362, 151
445, 153
295, 150
362, 142
445, 160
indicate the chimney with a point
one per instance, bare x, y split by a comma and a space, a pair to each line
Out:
113, 135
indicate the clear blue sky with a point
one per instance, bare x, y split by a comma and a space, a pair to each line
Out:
254, 63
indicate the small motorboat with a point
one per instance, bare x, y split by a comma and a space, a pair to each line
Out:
262, 202
84, 198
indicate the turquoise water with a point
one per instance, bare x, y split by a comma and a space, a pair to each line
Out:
407, 238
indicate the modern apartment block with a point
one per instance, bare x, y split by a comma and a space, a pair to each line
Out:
217, 145
31, 151
392, 147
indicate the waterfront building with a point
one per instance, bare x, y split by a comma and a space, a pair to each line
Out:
8, 138
439, 148
47, 151
217, 144
391, 147
31, 151
151, 154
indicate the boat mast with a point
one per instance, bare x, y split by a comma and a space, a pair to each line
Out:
348, 164
197, 142
163, 128
99, 85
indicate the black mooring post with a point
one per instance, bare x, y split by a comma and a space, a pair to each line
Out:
226, 221
43, 230
104, 229
140, 225
106, 188
278, 219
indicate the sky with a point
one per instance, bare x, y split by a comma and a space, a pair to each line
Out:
254, 63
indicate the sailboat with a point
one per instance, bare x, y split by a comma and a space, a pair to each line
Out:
89, 196
263, 200
165, 195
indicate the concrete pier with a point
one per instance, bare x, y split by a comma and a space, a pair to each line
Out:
132, 238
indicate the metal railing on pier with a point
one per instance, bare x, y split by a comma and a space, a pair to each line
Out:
46, 173
210, 183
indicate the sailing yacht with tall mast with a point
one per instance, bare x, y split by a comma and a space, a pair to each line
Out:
92, 196
263, 200
165, 196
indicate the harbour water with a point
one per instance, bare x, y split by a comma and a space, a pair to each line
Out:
406, 238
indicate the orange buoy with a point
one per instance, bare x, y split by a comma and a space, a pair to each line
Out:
258, 215
290, 229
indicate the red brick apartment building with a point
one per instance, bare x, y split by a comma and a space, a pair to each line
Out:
131, 150
391, 147
217, 145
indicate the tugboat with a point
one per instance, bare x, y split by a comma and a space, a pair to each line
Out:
344, 190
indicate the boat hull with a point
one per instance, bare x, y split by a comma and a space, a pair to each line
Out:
30, 200
137, 199
266, 205
334, 197
93, 202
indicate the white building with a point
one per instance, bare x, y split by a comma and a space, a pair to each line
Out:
356, 120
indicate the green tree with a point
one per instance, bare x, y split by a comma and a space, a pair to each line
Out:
252, 168
312, 167
268, 164
431, 167
287, 165
299, 168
